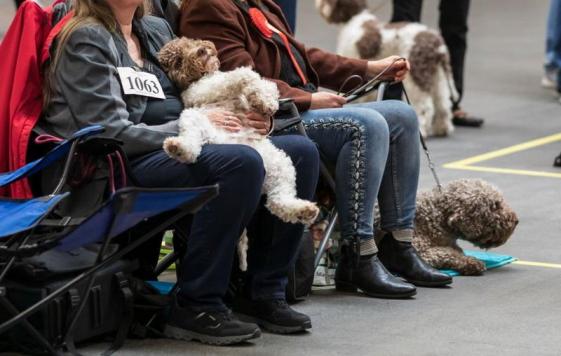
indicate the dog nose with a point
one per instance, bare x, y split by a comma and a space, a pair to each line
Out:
516, 222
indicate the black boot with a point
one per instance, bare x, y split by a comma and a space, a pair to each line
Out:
402, 259
370, 276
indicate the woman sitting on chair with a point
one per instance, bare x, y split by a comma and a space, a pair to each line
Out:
100, 51
374, 147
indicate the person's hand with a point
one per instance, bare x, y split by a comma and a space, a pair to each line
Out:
397, 72
261, 124
225, 120
324, 100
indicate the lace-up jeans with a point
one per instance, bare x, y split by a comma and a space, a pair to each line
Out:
374, 148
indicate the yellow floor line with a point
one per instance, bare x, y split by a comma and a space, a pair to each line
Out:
521, 172
508, 150
537, 264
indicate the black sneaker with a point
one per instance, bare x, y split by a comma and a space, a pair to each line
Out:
211, 327
274, 315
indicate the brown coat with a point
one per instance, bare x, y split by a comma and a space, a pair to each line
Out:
239, 43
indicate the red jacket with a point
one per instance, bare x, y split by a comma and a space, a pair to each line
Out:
21, 88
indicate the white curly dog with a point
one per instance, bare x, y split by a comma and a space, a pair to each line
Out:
193, 65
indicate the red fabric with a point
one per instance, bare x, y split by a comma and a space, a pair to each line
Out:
21, 88
260, 21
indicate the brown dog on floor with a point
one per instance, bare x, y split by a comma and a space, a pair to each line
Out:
467, 209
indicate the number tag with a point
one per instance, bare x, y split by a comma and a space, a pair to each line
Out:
140, 83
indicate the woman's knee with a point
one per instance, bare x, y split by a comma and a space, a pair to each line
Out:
405, 116
250, 162
235, 162
300, 149
371, 124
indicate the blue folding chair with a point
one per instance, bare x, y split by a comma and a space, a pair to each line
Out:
23, 231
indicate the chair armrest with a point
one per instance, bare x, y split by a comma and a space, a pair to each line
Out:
64, 149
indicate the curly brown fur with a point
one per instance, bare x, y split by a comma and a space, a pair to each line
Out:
186, 60
467, 209
340, 11
425, 57
370, 44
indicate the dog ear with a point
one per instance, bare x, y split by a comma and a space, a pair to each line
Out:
210, 45
170, 56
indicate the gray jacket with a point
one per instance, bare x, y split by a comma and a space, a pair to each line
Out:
88, 90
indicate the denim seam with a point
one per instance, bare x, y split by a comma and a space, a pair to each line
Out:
395, 183
357, 179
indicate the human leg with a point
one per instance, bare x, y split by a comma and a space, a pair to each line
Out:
273, 247
355, 141
407, 10
453, 24
206, 265
397, 195
553, 45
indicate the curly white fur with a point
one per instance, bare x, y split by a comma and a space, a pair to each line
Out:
240, 91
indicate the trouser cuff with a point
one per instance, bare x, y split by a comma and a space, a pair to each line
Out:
405, 235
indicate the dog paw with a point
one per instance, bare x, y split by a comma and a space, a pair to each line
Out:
472, 267
174, 148
295, 211
440, 130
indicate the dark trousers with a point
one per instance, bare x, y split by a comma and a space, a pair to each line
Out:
289, 9
216, 228
453, 25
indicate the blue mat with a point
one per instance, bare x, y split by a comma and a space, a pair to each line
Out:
492, 260
163, 287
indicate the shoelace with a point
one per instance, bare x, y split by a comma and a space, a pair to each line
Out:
281, 303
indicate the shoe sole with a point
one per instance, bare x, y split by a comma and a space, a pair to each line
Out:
429, 284
274, 328
186, 335
351, 288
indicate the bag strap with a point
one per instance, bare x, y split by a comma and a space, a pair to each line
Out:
128, 313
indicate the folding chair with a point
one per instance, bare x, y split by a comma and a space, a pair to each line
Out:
25, 231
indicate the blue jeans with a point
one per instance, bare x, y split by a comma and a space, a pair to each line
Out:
375, 150
553, 40
216, 228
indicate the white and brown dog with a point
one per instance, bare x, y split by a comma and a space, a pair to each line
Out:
193, 65
430, 84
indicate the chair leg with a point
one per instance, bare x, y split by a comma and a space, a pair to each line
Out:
326, 237
133, 245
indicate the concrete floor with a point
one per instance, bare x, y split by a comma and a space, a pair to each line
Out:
515, 310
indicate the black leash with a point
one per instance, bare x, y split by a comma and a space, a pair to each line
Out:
431, 164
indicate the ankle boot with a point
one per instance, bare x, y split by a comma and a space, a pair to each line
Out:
370, 276
402, 259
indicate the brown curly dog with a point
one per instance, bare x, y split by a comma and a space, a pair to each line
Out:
467, 209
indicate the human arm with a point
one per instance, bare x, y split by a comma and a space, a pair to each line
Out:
223, 24
87, 79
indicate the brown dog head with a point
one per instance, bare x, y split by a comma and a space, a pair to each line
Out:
340, 11
187, 60
477, 212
